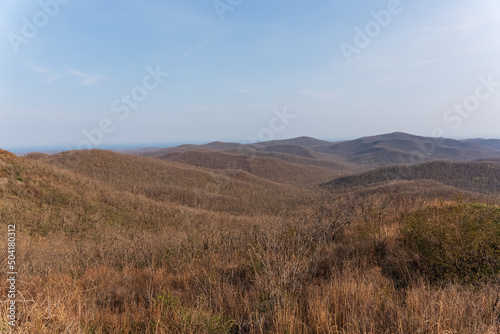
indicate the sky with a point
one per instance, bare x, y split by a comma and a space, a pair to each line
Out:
80, 74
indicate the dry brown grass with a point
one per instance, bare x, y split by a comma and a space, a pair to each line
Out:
98, 253
268, 168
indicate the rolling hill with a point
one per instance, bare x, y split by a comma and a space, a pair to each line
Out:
493, 143
300, 235
229, 190
278, 167
476, 176
354, 155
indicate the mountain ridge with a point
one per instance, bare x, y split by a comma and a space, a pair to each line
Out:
369, 152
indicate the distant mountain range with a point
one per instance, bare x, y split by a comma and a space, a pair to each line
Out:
366, 152
304, 162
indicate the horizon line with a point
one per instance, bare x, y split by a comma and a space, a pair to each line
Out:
62, 148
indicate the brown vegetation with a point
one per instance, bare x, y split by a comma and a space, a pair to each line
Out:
111, 243
477, 176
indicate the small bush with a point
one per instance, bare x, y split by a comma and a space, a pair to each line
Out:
459, 242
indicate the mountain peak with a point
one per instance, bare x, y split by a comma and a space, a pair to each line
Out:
395, 135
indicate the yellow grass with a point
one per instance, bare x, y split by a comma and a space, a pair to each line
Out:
118, 244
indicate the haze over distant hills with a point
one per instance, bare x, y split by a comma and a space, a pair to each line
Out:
493, 143
469, 164
181, 225
381, 150
372, 151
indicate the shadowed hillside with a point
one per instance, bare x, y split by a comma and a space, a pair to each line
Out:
399, 148
291, 147
482, 177
242, 157
271, 166
307, 142
493, 143
300, 151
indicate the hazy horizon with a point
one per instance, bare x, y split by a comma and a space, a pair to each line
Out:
58, 148
97, 75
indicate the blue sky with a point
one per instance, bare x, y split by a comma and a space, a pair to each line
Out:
234, 65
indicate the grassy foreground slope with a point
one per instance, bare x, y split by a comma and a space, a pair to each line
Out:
232, 190
111, 243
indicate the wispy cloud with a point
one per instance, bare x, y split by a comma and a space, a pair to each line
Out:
193, 51
88, 79
52, 78
322, 94
243, 87
83, 79
462, 21
450, 28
